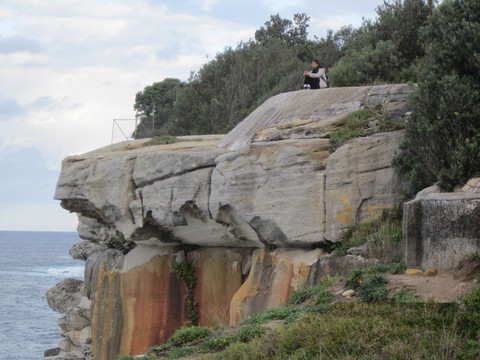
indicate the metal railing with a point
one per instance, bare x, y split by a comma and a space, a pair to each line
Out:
116, 125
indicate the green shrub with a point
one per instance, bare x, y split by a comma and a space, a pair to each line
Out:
475, 257
320, 308
186, 335
280, 313
442, 140
323, 296
130, 357
356, 125
405, 295
214, 344
181, 352
358, 275
301, 295
395, 268
382, 235
373, 289
249, 332
355, 277
162, 140
185, 271
469, 317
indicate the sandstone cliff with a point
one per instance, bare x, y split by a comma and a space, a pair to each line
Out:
253, 212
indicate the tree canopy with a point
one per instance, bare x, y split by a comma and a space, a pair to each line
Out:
226, 89
437, 46
442, 140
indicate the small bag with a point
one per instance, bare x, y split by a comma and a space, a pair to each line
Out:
326, 79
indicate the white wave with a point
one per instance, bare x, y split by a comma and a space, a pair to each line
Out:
70, 271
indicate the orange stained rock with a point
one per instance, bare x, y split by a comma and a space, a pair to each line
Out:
153, 301
272, 279
218, 272
106, 319
247, 290
344, 215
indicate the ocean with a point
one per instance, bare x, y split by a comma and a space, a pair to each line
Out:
30, 264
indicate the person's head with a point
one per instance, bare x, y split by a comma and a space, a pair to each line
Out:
315, 63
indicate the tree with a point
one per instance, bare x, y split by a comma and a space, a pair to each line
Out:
155, 107
442, 141
400, 21
228, 88
384, 50
287, 32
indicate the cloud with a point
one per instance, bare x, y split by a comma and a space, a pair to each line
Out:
69, 67
206, 5
9, 108
14, 44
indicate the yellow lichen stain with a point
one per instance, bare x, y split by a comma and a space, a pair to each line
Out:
261, 257
376, 211
344, 215
129, 323
247, 290
300, 275
105, 306
327, 269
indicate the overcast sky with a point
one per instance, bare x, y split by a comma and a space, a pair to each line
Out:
69, 67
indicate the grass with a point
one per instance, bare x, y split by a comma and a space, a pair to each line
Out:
357, 276
389, 327
167, 139
363, 331
186, 335
363, 122
383, 236
475, 257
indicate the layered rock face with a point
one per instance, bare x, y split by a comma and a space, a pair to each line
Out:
251, 212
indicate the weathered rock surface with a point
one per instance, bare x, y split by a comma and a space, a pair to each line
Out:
68, 297
65, 295
272, 279
137, 301
361, 182
219, 274
83, 250
290, 109
331, 265
278, 189
274, 182
441, 229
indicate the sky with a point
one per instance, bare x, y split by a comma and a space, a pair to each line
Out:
68, 68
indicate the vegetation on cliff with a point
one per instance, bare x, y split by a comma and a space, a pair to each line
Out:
383, 320
226, 89
442, 140
383, 323
408, 41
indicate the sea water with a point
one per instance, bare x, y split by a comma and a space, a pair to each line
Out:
30, 264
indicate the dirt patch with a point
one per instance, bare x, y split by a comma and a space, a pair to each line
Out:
442, 288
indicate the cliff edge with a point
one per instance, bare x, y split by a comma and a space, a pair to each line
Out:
249, 216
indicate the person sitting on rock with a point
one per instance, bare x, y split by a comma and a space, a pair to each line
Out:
315, 79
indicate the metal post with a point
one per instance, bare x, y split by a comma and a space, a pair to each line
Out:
136, 124
153, 118
113, 128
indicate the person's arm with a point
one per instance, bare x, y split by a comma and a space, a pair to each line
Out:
314, 75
